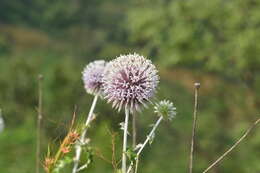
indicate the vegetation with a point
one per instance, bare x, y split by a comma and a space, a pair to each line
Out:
214, 42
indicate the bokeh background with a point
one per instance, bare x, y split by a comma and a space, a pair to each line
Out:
215, 42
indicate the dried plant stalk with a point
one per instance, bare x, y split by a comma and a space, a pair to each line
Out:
233, 147
39, 119
197, 86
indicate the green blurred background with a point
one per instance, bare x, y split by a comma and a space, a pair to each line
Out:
215, 42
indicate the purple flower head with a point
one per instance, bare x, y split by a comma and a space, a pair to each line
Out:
130, 81
92, 76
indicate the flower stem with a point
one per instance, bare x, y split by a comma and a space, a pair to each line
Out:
150, 135
233, 147
197, 86
125, 141
144, 144
136, 164
83, 135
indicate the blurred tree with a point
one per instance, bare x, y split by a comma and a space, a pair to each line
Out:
38, 13
217, 38
217, 35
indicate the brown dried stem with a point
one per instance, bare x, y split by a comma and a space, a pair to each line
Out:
233, 147
39, 119
197, 86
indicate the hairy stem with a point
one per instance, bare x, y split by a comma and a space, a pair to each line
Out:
150, 135
125, 141
39, 119
197, 86
83, 135
144, 144
233, 147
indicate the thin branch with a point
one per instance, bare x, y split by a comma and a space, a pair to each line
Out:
101, 156
39, 119
233, 147
83, 135
73, 118
150, 135
197, 86
144, 144
84, 166
113, 149
113, 143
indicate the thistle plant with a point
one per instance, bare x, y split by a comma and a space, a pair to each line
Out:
55, 164
92, 77
130, 82
165, 110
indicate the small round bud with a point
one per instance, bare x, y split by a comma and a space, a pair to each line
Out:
197, 85
166, 109
40, 76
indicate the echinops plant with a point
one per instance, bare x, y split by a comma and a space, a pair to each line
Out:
92, 78
130, 82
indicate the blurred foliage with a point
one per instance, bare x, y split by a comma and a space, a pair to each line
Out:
215, 42
200, 34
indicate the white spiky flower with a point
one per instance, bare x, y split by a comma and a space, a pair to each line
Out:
92, 76
130, 81
166, 109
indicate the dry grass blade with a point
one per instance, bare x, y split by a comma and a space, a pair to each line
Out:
233, 147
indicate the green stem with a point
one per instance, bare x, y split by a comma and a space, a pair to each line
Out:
125, 141
83, 135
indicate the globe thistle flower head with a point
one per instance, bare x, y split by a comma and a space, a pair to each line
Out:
166, 109
130, 81
92, 76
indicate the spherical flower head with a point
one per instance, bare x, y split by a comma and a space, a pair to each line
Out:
166, 109
92, 76
130, 81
